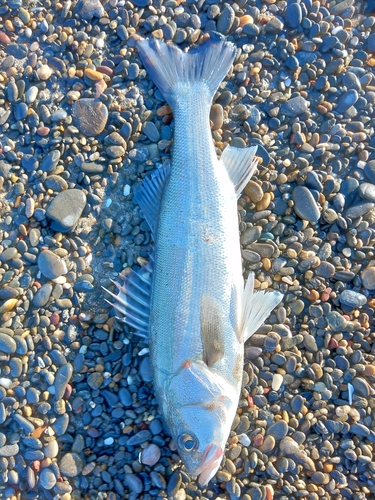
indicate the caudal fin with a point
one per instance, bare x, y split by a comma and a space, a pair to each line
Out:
169, 67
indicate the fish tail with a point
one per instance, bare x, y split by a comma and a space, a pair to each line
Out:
171, 69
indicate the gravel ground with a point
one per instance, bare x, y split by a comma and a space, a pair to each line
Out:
80, 126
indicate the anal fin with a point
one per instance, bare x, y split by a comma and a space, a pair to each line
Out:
133, 299
256, 307
240, 164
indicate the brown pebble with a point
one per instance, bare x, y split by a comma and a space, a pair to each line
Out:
264, 203
254, 191
217, 116
313, 296
93, 74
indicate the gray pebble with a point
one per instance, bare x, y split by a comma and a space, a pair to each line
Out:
305, 205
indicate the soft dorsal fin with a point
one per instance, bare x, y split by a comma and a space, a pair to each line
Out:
149, 194
212, 330
256, 307
133, 299
240, 164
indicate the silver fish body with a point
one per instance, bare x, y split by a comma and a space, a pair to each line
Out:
200, 315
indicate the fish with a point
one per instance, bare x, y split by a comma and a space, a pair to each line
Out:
190, 300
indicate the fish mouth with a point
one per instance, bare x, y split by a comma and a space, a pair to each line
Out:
210, 462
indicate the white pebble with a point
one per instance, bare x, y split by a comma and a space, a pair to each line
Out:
350, 392
143, 351
44, 72
108, 203
109, 441
6, 382
244, 439
126, 190
83, 349
277, 381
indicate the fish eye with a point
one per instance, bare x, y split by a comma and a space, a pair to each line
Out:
187, 442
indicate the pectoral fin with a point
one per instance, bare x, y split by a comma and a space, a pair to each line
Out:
240, 165
256, 307
212, 330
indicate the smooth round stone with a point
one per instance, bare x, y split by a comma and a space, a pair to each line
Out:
325, 270
217, 116
17, 50
66, 209
254, 191
90, 9
51, 450
25, 424
274, 25
61, 424
361, 387
31, 94
21, 111
9, 450
367, 191
359, 429
134, 483
7, 344
368, 278
305, 205
90, 116
225, 20
359, 209
50, 265
293, 15
151, 454
277, 381
92, 167
294, 106
71, 465
42, 295
352, 299
346, 100
297, 403
151, 132
34, 236
50, 161
63, 375
370, 171
55, 183
278, 430
145, 369
156, 426
47, 478
254, 117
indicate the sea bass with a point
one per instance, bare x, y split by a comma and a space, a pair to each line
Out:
190, 300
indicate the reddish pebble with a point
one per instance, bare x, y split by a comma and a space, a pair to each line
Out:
54, 319
167, 119
258, 440
36, 465
326, 294
250, 401
345, 316
333, 344
266, 390
43, 131
4, 38
92, 432
37, 285
143, 426
105, 70
68, 391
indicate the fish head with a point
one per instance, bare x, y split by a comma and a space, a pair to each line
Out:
199, 411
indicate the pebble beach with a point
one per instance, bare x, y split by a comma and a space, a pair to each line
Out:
81, 124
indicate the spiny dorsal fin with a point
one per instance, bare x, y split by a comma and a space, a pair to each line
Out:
212, 330
149, 195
